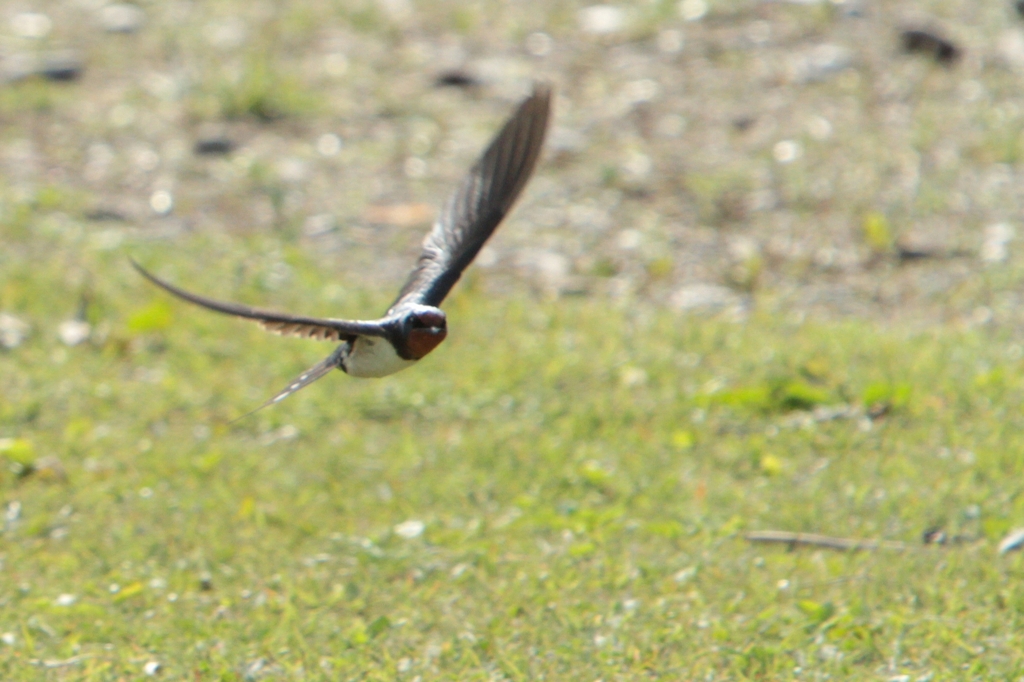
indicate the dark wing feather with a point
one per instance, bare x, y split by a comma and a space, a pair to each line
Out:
480, 203
324, 329
315, 372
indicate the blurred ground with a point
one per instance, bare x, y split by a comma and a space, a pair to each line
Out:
559, 491
701, 153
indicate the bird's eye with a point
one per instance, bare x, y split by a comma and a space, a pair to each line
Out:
429, 319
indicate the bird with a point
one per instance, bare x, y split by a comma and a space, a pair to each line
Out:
414, 325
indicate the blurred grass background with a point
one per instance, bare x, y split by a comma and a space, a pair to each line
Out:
765, 278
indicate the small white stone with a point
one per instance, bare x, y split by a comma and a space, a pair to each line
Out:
632, 376
292, 170
550, 265
819, 128
397, 10
819, 62
602, 19
227, 34
122, 18
121, 115
693, 10
759, 32
106, 240
335, 64
703, 297
415, 167
151, 668
328, 144
564, 140
73, 332
629, 239
743, 248
997, 238
539, 44
1010, 46
319, 225
487, 258
410, 529
762, 200
161, 201
637, 165
786, 151
670, 125
643, 90
671, 41
31, 25
972, 90
685, 574
1012, 542
65, 600
145, 158
9, 638
12, 331
162, 85
829, 652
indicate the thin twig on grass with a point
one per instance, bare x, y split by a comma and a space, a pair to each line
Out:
814, 540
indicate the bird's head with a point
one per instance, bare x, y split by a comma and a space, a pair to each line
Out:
425, 328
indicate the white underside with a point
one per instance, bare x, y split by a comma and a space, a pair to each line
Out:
374, 357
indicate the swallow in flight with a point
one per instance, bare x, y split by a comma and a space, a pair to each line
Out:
414, 325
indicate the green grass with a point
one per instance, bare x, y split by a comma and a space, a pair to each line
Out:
584, 473
585, 467
261, 92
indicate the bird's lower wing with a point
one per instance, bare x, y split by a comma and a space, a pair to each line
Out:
322, 329
315, 372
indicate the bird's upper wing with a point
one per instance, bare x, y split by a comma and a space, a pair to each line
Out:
481, 201
324, 329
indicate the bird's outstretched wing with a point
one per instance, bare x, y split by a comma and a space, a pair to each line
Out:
318, 370
479, 204
324, 329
